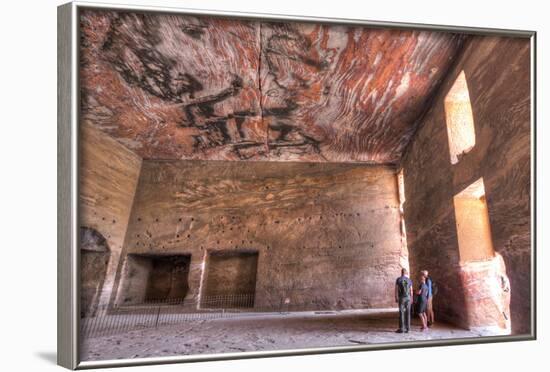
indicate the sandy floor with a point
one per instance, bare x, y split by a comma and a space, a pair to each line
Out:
262, 332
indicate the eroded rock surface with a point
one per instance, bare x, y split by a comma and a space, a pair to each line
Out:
182, 87
475, 294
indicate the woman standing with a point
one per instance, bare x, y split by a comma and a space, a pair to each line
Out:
422, 302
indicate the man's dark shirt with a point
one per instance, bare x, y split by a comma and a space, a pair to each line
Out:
409, 286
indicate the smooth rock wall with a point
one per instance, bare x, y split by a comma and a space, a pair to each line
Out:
108, 176
327, 235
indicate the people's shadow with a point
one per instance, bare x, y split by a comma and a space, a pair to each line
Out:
48, 356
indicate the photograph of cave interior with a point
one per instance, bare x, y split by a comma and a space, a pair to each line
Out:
250, 185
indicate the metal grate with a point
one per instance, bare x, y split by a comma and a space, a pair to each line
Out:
117, 319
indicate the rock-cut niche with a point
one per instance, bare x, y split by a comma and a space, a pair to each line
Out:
94, 259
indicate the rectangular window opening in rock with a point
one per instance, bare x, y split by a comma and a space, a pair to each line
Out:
459, 119
472, 223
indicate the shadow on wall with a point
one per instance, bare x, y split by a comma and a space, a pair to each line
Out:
437, 252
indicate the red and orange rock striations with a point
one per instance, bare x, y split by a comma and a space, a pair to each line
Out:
173, 87
183, 87
353, 93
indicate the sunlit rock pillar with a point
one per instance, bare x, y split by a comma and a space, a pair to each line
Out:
487, 296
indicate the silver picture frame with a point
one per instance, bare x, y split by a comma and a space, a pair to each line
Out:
68, 260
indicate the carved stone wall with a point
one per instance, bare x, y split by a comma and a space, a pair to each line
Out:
108, 176
476, 294
327, 236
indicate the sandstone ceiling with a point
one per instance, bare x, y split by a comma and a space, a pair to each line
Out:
183, 87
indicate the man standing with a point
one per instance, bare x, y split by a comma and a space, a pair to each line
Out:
404, 296
430, 309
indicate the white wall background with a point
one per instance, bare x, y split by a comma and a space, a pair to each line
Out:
28, 184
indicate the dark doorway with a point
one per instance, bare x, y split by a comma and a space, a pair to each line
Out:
230, 280
155, 279
168, 279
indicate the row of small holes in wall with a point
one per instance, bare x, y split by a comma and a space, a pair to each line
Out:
267, 247
297, 219
202, 247
157, 220
105, 218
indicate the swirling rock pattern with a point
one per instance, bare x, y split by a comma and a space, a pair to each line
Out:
185, 87
173, 87
347, 93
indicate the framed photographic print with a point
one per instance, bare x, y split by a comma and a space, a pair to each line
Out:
237, 185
